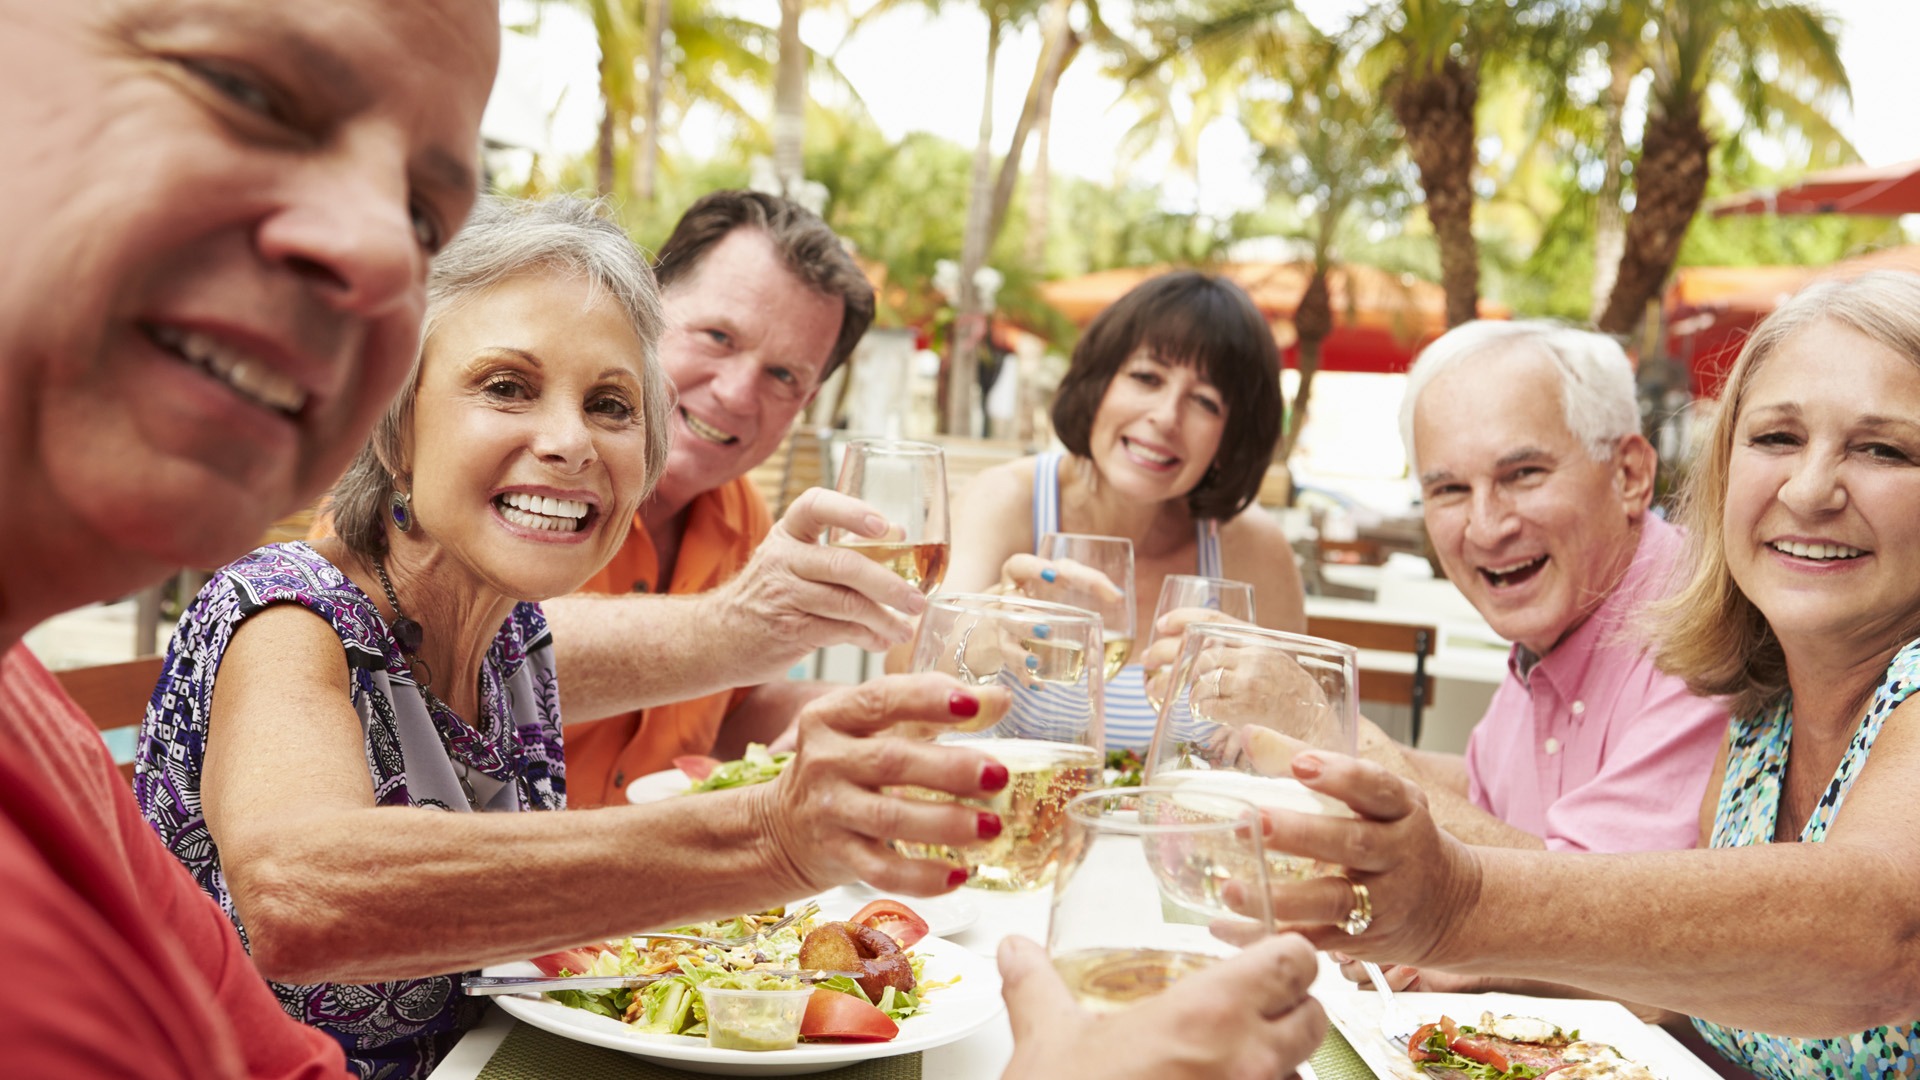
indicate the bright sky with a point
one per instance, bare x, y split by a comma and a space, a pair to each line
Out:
921, 72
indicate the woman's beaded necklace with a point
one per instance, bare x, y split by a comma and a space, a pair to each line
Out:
409, 635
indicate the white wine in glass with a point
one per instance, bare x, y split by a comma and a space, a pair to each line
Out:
906, 482
1142, 873
1112, 558
1050, 739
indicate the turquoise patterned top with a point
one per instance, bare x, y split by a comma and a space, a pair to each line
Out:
1748, 814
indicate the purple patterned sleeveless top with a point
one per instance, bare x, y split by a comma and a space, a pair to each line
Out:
395, 1030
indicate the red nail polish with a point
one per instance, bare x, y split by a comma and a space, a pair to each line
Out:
963, 705
988, 825
993, 776
957, 877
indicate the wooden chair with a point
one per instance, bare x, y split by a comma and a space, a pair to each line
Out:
114, 697
1412, 689
799, 463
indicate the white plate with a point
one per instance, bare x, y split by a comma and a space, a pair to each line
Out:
658, 785
946, 915
951, 1013
1357, 1016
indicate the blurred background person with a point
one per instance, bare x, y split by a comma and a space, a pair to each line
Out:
1169, 411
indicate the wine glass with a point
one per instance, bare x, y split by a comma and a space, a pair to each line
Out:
907, 483
1245, 701
1143, 872
1112, 558
1050, 739
1233, 599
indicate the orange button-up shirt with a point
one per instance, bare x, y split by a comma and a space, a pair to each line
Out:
724, 526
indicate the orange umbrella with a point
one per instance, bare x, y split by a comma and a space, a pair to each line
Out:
1381, 319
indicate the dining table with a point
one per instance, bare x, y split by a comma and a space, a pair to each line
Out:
981, 1055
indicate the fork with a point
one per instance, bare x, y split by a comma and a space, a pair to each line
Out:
1394, 1023
801, 912
489, 985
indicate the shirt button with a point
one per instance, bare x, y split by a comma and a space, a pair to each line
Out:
1578, 708
1552, 746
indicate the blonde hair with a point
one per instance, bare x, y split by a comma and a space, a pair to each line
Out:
1709, 633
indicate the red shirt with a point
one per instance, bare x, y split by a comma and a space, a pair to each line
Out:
724, 526
115, 963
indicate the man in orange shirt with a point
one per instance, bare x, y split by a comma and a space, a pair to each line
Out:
763, 303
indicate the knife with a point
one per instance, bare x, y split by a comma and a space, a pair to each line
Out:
488, 985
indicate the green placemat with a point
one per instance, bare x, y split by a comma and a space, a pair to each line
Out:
531, 1054
1335, 1060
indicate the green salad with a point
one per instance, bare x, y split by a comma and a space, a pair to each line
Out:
673, 1005
759, 766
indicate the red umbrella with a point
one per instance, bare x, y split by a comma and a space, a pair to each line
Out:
1864, 190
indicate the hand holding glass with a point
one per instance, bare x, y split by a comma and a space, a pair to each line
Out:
907, 483
1050, 739
1143, 872
1178, 592
1247, 699
1111, 557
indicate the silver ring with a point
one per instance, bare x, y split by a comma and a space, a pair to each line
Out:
1361, 915
1219, 674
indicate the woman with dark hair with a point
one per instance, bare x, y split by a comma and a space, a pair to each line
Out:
1169, 414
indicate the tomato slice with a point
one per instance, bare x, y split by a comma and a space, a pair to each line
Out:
1417, 1044
697, 766
1482, 1051
575, 961
834, 1015
894, 919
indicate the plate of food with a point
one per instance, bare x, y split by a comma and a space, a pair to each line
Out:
1510, 1037
693, 774
908, 996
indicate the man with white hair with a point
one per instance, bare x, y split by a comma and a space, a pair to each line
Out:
1525, 439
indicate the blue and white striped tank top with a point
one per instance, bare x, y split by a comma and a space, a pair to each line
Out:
1130, 716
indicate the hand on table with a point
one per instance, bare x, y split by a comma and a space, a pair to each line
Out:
830, 816
796, 595
1244, 1018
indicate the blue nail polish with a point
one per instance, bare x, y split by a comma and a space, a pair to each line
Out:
1041, 630
1048, 575
1033, 663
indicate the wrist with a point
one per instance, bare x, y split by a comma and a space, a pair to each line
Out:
768, 841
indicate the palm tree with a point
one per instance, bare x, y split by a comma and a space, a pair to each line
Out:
1776, 56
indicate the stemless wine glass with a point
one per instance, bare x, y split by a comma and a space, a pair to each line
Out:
1247, 699
907, 483
1113, 557
1143, 872
1234, 599
1050, 738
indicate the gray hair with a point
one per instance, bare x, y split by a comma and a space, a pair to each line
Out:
1596, 379
503, 238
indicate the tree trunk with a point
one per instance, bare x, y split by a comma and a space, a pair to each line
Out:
790, 100
1038, 185
603, 146
1312, 322
1436, 111
1056, 52
1669, 184
648, 156
1610, 218
956, 383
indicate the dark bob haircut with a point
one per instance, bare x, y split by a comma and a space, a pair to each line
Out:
1192, 320
808, 247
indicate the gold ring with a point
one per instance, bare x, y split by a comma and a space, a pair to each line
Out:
1361, 916
1219, 674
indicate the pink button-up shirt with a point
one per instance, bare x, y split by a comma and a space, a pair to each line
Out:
1595, 749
